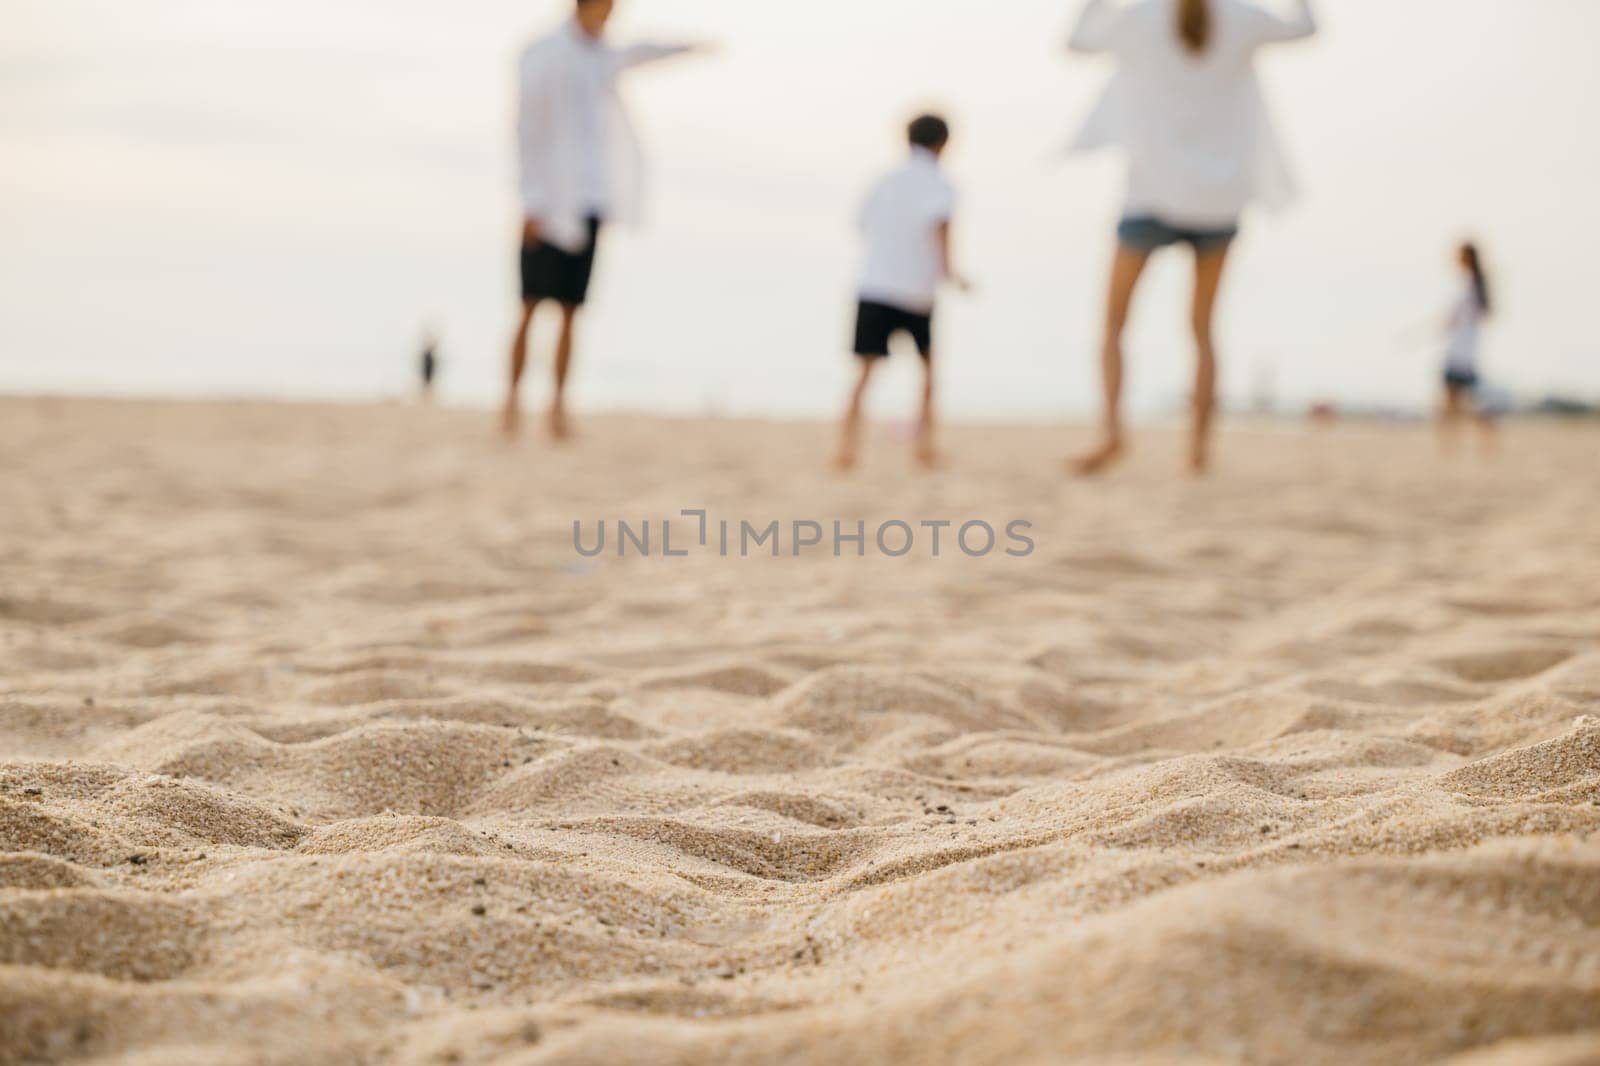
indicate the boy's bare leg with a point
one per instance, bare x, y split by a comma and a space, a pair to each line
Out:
558, 402
511, 417
850, 430
1126, 269
1207, 283
927, 452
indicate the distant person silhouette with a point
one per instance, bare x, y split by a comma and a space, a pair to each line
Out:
1463, 332
906, 225
428, 367
1186, 109
579, 165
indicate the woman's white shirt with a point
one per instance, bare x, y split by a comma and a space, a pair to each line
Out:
1195, 129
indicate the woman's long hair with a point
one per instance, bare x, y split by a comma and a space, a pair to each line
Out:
1473, 261
1194, 24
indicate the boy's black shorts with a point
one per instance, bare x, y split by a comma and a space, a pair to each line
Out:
877, 323
549, 273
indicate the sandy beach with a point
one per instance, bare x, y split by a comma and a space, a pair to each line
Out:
321, 743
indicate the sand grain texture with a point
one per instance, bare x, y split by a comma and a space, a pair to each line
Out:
319, 743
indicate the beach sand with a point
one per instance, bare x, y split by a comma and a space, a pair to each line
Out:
320, 743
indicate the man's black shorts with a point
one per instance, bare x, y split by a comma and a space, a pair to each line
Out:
550, 273
877, 323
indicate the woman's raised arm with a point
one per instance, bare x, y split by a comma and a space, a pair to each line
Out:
1273, 28
1097, 28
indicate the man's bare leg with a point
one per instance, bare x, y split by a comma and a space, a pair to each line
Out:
511, 417
927, 452
850, 429
559, 429
1126, 270
1208, 270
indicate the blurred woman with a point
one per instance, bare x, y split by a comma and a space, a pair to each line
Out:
1462, 330
1186, 109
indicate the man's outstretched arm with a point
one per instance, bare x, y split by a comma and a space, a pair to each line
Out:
637, 55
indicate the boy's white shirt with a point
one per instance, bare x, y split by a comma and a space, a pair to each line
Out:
1200, 142
900, 222
567, 171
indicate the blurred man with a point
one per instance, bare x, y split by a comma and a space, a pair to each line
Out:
579, 169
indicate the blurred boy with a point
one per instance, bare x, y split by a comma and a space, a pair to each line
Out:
906, 224
579, 168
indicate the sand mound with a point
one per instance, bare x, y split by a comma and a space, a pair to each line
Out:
1566, 769
1371, 962
325, 748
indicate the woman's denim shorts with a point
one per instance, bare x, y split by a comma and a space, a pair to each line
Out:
1148, 234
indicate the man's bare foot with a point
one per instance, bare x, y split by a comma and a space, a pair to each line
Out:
845, 461
1199, 464
560, 429
1098, 461
510, 421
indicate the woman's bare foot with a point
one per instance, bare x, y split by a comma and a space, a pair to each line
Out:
845, 461
927, 456
1199, 454
510, 421
560, 429
1098, 461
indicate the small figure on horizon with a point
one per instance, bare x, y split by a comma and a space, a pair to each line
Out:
428, 365
1463, 330
579, 163
1186, 109
906, 224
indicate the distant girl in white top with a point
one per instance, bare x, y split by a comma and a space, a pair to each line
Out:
1186, 109
1462, 331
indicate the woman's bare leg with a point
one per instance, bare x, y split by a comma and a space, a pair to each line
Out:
1208, 270
1126, 270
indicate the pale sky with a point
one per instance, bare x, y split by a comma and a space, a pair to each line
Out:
206, 197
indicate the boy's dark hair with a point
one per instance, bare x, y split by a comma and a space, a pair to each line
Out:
930, 132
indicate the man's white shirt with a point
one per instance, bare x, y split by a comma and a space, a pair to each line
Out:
592, 85
577, 151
